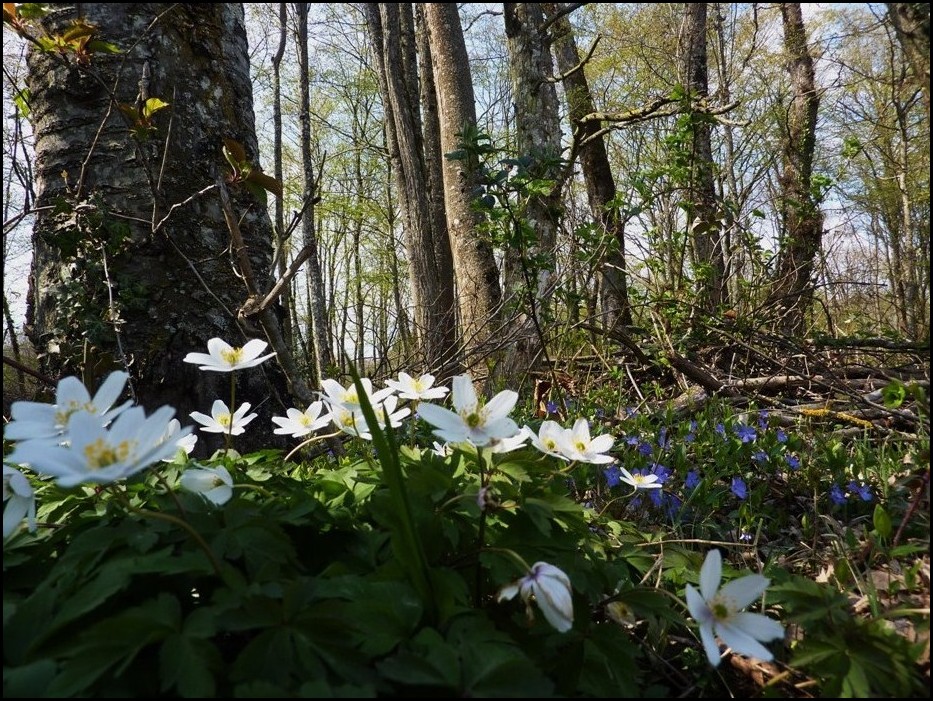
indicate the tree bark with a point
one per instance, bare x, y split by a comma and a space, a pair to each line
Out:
477, 278
801, 219
121, 218
597, 173
911, 22
392, 33
320, 331
702, 221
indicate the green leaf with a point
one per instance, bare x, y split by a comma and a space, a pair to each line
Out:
153, 105
882, 522
29, 681
105, 47
187, 664
894, 394
21, 100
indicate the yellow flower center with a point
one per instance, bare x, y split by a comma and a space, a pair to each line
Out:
100, 454
721, 610
305, 420
473, 420
225, 420
639, 479
550, 444
232, 356
64, 413
580, 446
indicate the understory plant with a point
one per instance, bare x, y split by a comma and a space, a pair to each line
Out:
454, 551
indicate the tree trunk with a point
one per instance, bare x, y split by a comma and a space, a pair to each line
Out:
477, 278
392, 33
911, 22
801, 220
281, 240
106, 224
703, 223
320, 335
597, 174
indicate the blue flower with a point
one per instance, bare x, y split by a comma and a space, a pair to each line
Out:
630, 412
600, 413
760, 456
721, 430
739, 488
836, 495
631, 440
656, 496
673, 504
692, 479
745, 433
551, 407
661, 471
763, 419
645, 448
745, 536
780, 436
613, 476
690, 437
792, 461
864, 491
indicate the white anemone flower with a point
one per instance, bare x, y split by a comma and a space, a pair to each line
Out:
19, 501
548, 439
639, 481
40, 420
213, 483
336, 394
386, 412
442, 450
101, 454
351, 422
577, 445
472, 422
183, 445
550, 589
222, 421
222, 357
507, 445
719, 612
299, 423
416, 389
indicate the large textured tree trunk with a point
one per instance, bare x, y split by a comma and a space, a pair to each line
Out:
597, 174
802, 222
392, 32
702, 221
106, 225
477, 278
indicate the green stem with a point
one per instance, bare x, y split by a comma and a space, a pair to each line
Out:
187, 526
228, 434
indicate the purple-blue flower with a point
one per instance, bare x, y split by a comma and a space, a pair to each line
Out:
661, 471
863, 491
645, 448
739, 487
631, 440
613, 476
763, 419
793, 462
551, 407
692, 479
745, 433
760, 456
745, 537
721, 429
836, 495
780, 436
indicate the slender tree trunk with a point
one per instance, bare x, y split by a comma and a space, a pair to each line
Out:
281, 240
911, 22
478, 292
701, 206
392, 32
597, 174
802, 222
320, 335
119, 277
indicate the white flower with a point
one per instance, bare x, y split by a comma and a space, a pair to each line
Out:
422, 388
185, 444
40, 420
213, 483
299, 423
442, 450
19, 501
99, 454
639, 481
507, 445
548, 438
719, 612
347, 397
473, 422
550, 588
222, 421
350, 422
577, 445
222, 357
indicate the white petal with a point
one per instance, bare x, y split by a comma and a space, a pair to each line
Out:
508, 592
499, 406
253, 349
464, 395
697, 606
710, 645
742, 643
602, 443
109, 392
711, 574
441, 418
758, 626
744, 590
